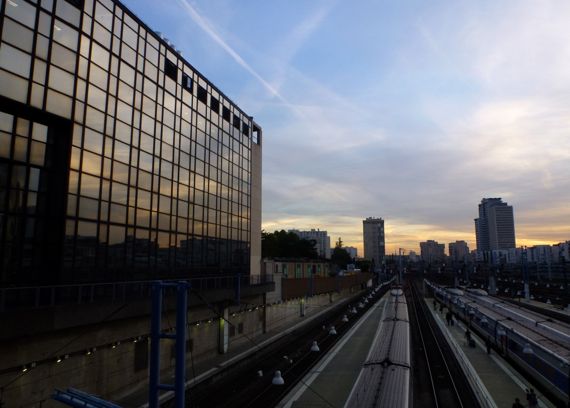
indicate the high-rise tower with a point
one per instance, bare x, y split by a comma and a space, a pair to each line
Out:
495, 227
374, 246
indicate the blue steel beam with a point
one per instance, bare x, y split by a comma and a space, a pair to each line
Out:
155, 386
80, 399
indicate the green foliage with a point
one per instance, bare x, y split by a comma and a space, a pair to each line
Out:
338, 243
340, 256
282, 244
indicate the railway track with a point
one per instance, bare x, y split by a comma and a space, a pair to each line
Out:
242, 386
438, 378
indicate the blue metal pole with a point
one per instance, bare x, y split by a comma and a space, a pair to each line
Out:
181, 310
155, 324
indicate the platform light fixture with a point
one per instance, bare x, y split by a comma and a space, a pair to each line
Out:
527, 349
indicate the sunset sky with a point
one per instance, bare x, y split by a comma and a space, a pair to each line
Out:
408, 110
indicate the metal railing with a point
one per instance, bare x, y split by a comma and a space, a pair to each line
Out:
36, 297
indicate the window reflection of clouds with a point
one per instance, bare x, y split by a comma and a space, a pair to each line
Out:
90, 185
65, 35
167, 153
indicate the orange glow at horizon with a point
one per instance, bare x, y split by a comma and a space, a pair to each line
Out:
408, 236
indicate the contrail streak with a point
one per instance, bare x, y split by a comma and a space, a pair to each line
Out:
203, 23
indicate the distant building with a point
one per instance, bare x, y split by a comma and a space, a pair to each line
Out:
561, 252
541, 254
495, 227
458, 251
502, 256
352, 251
321, 238
413, 256
374, 244
432, 251
292, 268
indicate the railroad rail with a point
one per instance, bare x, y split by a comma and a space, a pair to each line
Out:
448, 386
249, 384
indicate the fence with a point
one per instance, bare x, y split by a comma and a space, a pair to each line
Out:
299, 287
34, 297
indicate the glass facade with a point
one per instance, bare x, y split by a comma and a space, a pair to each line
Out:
118, 160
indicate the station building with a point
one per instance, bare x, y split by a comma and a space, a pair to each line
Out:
120, 164
118, 160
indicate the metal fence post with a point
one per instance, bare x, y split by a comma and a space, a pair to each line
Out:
181, 311
154, 373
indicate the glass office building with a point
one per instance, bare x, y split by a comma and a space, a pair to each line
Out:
118, 160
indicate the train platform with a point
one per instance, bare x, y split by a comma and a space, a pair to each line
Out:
330, 383
499, 383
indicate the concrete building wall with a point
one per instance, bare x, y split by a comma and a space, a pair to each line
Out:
256, 207
114, 372
109, 371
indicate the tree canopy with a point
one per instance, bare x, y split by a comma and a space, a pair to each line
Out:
340, 256
282, 244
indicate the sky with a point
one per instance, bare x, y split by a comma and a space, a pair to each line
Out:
412, 111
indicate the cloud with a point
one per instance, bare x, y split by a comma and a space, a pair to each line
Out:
213, 34
471, 101
289, 46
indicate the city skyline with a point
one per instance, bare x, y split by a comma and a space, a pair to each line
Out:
439, 106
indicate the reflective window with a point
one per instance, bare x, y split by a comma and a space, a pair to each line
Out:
99, 55
102, 35
61, 81
67, 12
22, 12
137, 140
14, 60
65, 35
91, 163
88, 208
89, 186
103, 15
17, 35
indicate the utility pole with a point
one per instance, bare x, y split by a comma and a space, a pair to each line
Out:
525, 274
401, 272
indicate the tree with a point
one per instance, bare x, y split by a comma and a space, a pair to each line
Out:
340, 256
282, 244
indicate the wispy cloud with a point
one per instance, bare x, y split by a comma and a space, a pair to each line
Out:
409, 113
290, 45
208, 28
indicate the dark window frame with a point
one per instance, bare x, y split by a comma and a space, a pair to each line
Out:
226, 114
237, 122
170, 70
202, 94
214, 104
187, 82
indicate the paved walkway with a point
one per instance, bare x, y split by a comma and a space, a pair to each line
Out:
502, 382
139, 397
330, 383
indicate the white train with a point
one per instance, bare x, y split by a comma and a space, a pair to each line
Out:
538, 345
384, 380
